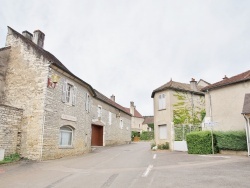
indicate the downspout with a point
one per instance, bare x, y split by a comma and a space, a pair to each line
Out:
247, 133
210, 105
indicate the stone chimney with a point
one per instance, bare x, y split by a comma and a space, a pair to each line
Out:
225, 77
112, 98
193, 85
27, 35
132, 108
38, 38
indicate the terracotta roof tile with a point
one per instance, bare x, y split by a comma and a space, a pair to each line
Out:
106, 100
137, 114
148, 120
246, 105
229, 81
177, 86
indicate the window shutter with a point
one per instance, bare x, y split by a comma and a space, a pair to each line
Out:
74, 96
159, 102
64, 91
163, 101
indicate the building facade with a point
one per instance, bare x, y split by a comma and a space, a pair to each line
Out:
224, 100
166, 100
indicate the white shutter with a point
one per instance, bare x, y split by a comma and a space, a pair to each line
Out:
163, 101
64, 90
159, 102
74, 96
163, 131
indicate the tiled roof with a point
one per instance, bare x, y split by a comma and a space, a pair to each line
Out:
108, 101
177, 86
246, 105
50, 57
148, 120
137, 114
229, 81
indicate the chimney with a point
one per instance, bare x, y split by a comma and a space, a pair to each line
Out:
112, 98
225, 77
27, 35
38, 38
193, 85
132, 108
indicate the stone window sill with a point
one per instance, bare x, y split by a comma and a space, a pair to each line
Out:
66, 147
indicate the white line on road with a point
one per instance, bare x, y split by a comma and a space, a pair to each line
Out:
145, 174
154, 157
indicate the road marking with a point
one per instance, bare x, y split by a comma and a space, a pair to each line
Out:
154, 157
145, 174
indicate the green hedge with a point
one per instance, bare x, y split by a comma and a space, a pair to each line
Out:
200, 143
147, 135
231, 140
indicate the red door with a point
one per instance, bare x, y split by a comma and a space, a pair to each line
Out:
97, 135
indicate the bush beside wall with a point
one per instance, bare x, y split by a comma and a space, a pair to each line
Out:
200, 143
147, 135
231, 140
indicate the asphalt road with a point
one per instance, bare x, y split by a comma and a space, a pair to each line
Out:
130, 166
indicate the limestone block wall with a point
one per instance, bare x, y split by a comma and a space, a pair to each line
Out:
25, 88
4, 57
114, 134
10, 121
58, 114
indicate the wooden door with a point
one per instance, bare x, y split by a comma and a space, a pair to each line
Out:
97, 135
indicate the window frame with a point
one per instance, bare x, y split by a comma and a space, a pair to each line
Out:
162, 101
99, 111
71, 131
69, 96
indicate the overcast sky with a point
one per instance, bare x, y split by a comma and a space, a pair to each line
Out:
131, 47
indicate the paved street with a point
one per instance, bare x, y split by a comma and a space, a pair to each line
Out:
133, 165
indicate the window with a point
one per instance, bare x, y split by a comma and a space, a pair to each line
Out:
163, 131
162, 102
110, 118
87, 103
121, 123
68, 93
66, 135
99, 111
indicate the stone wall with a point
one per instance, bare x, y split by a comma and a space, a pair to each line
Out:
113, 133
4, 57
26, 82
58, 114
10, 122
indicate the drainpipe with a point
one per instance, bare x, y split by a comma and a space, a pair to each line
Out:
210, 105
247, 133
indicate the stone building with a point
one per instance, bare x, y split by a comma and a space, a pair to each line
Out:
137, 118
111, 123
45, 109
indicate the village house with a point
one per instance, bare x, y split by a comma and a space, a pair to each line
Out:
224, 100
148, 121
136, 120
111, 123
46, 110
168, 99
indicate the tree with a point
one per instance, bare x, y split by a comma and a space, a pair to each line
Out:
188, 109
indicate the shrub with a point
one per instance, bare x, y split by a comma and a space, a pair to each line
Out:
147, 135
10, 158
163, 146
200, 143
231, 140
134, 134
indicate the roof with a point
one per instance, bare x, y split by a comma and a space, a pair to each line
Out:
246, 105
148, 120
108, 101
50, 57
177, 86
136, 113
245, 76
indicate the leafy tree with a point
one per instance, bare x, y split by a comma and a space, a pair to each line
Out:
188, 109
